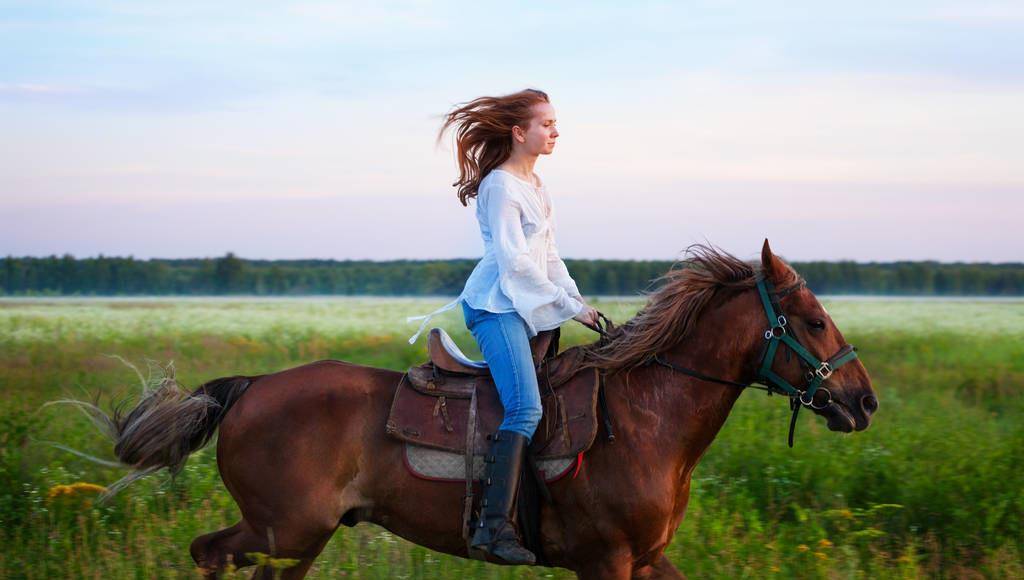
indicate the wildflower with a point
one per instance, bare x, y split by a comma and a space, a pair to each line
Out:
262, 559
58, 490
846, 514
821, 555
74, 489
802, 548
824, 543
776, 569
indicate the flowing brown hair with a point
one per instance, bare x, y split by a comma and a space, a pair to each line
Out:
483, 134
673, 308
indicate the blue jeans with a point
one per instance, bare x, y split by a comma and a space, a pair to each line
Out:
505, 343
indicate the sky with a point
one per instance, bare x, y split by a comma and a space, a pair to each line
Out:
871, 131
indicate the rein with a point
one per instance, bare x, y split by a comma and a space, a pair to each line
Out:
816, 372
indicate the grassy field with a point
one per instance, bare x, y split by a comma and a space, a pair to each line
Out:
933, 489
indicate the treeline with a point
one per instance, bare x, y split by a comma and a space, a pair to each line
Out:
230, 274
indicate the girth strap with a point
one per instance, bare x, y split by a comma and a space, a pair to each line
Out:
467, 508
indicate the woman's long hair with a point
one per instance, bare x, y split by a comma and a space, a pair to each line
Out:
483, 134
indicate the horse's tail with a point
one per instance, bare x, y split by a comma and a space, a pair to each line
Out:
169, 423
165, 427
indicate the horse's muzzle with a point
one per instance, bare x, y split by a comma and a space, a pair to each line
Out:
850, 413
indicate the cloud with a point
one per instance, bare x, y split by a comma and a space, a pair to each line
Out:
700, 108
184, 94
988, 13
28, 90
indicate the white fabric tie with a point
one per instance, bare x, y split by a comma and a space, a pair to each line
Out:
426, 318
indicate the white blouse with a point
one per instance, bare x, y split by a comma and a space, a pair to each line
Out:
521, 270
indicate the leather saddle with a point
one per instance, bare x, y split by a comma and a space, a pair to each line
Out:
447, 356
434, 401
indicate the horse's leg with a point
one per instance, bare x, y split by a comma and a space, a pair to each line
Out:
289, 455
616, 565
304, 547
661, 568
212, 552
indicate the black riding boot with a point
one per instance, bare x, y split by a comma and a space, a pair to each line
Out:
495, 533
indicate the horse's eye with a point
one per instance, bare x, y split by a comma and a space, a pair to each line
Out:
818, 324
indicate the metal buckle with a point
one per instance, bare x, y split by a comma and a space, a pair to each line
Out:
824, 371
810, 403
777, 331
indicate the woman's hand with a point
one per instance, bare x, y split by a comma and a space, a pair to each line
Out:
587, 316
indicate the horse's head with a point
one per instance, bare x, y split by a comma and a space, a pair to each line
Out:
845, 396
778, 335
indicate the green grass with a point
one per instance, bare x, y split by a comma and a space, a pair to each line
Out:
932, 489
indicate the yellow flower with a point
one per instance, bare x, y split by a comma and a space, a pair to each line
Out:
74, 489
846, 514
802, 548
824, 543
776, 569
57, 491
82, 486
821, 555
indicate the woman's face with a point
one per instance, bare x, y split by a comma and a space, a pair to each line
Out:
539, 138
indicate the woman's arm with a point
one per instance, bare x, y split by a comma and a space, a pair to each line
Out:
557, 272
520, 278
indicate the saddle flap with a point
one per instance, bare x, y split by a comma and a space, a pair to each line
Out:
437, 416
556, 371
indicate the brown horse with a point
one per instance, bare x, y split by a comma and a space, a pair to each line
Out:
304, 450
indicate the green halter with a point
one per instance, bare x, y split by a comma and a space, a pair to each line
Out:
777, 333
817, 371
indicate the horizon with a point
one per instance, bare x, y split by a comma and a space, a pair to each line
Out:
474, 259
870, 132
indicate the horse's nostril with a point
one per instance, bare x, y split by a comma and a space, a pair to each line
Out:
869, 403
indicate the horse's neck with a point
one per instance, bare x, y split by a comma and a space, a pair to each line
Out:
692, 411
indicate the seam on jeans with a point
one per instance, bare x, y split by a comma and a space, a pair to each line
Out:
515, 366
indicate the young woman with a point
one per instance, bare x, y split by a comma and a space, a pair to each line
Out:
520, 287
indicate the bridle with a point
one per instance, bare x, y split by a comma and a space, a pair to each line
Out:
778, 333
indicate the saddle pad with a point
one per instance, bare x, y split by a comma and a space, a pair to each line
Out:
439, 465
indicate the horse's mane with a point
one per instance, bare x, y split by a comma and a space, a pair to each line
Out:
672, 309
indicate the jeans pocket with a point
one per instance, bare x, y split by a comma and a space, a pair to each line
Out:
469, 315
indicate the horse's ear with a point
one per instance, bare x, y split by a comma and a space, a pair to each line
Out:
770, 264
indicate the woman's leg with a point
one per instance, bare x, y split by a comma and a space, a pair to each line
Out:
505, 344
